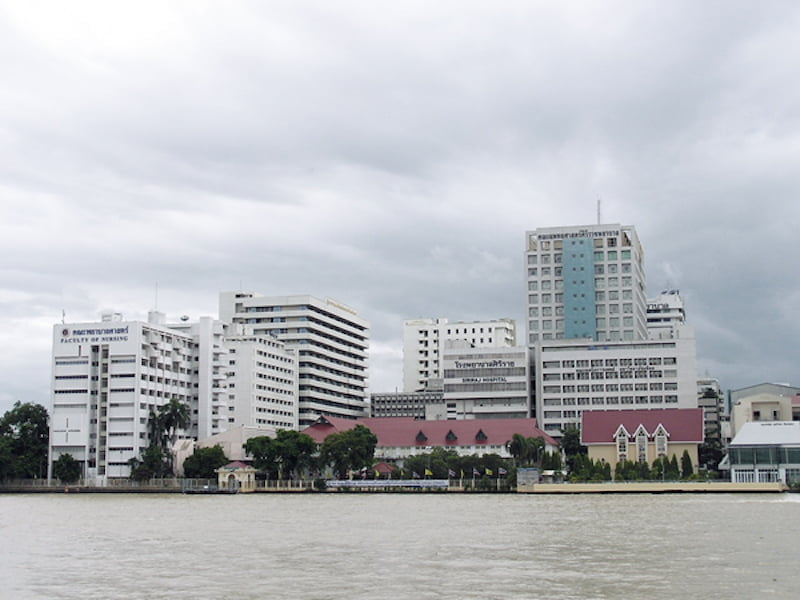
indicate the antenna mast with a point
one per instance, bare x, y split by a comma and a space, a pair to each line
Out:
599, 205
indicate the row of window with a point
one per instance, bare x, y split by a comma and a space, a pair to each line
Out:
610, 362
608, 400
558, 257
648, 373
610, 387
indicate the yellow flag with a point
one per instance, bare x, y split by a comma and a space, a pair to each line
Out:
428, 472
489, 472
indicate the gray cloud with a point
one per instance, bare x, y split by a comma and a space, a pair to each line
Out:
392, 157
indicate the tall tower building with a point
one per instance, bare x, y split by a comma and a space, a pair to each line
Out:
330, 340
585, 282
109, 376
424, 341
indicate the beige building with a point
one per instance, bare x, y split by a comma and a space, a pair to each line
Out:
760, 407
613, 436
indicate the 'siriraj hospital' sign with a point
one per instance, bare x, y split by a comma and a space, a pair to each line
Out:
99, 335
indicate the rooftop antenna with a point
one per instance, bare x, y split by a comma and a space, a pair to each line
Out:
63, 316
599, 206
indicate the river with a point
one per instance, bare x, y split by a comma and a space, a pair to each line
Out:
373, 546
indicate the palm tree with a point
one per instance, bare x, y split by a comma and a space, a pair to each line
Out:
517, 447
173, 415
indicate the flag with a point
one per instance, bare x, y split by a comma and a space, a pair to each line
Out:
428, 473
377, 474
475, 472
414, 475
501, 471
489, 472
451, 473
462, 473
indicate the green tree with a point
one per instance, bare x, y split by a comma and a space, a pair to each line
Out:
172, 416
67, 469
571, 445
687, 469
152, 464
24, 434
672, 470
264, 452
349, 450
294, 451
163, 425
710, 454
517, 447
204, 463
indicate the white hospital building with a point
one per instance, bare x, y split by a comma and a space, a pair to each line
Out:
425, 341
329, 338
108, 376
587, 317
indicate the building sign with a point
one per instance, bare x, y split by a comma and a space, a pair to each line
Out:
583, 233
485, 364
484, 380
98, 335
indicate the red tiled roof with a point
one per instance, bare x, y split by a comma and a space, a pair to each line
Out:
236, 464
681, 424
405, 431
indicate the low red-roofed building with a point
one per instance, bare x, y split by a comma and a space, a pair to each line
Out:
400, 437
642, 435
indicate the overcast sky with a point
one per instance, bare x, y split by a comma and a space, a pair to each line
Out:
391, 155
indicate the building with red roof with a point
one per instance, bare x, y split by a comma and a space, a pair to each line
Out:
401, 437
642, 435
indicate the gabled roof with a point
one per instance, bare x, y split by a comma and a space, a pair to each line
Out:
405, 431
681, 424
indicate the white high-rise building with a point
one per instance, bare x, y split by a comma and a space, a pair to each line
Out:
331, 342
425, 340
585, 282
108, 376
588, 328
262, 382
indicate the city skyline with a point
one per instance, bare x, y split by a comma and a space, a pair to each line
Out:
175, 152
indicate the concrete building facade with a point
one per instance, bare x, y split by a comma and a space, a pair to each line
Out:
574, 376
585, 282
108, 376
262, 382
425, 340
402, 404
331, 342
484, 383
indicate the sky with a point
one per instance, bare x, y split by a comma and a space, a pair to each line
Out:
391, 156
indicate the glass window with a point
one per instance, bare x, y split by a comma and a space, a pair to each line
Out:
612, 255
598, 257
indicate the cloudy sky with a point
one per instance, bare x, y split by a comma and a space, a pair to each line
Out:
391, 155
